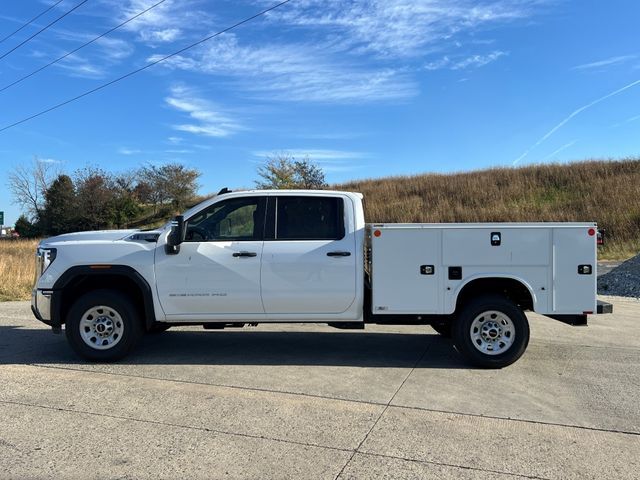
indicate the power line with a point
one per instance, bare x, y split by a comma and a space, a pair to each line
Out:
80, 47
43, 29
148, 65
30, 21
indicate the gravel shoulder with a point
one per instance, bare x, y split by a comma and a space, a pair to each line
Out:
622, 279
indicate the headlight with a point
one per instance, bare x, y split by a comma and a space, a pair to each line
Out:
44, 258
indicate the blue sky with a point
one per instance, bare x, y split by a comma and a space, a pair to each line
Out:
365, 88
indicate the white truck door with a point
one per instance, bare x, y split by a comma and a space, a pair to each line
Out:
309, 257
217, 270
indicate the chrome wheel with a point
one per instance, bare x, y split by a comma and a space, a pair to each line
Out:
101, 327
492, 332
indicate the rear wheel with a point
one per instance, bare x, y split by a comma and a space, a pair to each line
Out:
103, 326
491, 332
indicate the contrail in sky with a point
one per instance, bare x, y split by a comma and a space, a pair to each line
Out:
573, 114
555, 152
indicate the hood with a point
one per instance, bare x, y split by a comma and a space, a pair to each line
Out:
103, 235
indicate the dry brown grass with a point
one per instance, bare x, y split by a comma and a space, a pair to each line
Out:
17, 269
607, 192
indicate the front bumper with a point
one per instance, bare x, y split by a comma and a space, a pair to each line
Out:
41, 305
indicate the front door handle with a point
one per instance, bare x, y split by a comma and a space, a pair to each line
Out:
245, 254
338, 254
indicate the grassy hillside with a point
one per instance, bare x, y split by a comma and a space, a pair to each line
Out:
607, 192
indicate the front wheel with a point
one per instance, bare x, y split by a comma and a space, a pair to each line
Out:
491, 332
103, 326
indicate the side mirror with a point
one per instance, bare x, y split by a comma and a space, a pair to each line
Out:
176, 236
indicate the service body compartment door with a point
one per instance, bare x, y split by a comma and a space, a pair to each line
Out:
574, 292
406, 270
521, 247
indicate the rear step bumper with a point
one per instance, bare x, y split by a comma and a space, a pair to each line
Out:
581, 320
604, 307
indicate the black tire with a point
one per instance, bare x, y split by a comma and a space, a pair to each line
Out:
518, 331
158, 328
443, 329
128, 323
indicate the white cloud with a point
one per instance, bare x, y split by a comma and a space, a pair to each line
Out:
109, 48
478, 60
128, 151
443, 62
115, 48
459, 63
313, 153
165, 23
206, 119
607, 62
400, 28
78, 66
295, 72
331, 161
179, 151
352, 52
166, 35
49, 160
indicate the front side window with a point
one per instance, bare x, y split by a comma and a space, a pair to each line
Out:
235, 219
309, 218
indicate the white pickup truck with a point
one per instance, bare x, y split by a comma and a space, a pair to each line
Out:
307, 256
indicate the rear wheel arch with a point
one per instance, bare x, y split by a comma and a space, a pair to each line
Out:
516, 290
81, 279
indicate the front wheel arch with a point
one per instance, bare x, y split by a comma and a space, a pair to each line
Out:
81, 279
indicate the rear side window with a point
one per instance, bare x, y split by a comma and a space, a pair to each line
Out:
309, 218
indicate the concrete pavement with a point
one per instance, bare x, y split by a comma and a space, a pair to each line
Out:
296, 401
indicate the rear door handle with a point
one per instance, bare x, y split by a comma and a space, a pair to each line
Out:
245, 254
338, 254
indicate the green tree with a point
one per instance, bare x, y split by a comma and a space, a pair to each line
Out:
95, 197
26, 229
172, 183
283, 171
181, 183
124, 206
59, 213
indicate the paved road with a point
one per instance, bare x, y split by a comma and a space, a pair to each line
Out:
301, 401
